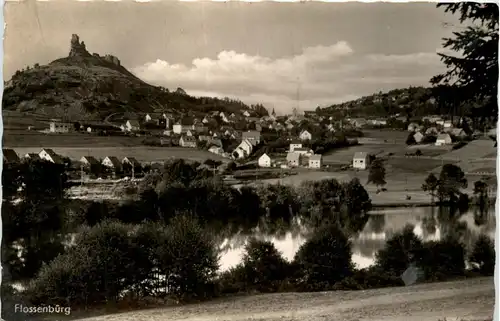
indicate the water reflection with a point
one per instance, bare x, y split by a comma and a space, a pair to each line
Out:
429, 223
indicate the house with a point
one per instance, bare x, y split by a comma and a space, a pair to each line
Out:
50, 156
290, 126
360, 160
204, 138
457, 132
305, 135
418, 136
60, 127
293, 159
302, 151
246, 113
432, 131
187, 141
358, 122
131, 161
189, 133
31, 157
148, 118
224, 117
294, 145
412, 127
112, 163
244, 149
182, 126
443, 139
216, 150
200, 128
132, 125
10, 156
252, 136
315, 161
447, 124
264, 161
88, 161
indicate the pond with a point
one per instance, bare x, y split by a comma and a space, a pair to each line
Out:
381, 225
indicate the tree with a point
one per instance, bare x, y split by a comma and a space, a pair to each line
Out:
263, 264
481, 192
473, 72
332, 265
451, 181
377, 173
402, 249
431, 184
483, 255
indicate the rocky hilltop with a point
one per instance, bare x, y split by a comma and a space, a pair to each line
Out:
90, 86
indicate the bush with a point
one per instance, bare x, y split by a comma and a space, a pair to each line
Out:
189, 256
96, 270
264, 267
443, 259
399, 252
324, 259
483, 255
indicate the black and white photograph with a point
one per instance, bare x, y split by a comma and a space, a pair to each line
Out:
238, 161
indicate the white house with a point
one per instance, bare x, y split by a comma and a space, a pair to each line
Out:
305, 135
295, 145
216, 150
50, 156
58, 127
413, 127
112, 163
147, 118
315, 161
132, 125
418, 136
443, 139
264, 161
224, 117
246, 113
293, 159
243, 150
361, 160
303, 151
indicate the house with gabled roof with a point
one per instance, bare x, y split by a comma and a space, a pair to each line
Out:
361, 160
132, 125
89, 161
305, 135
49, 155
244, 149
112, 163
10, 156
293, 159
252, 135
132, 161
264, 160
443, 139
31, 157
315, 161
187, 141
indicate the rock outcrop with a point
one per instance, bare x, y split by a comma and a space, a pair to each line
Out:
78, 48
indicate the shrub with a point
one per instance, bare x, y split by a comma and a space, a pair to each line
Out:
399, 252
443, 259
189, 256
264, 267
483, 255
325, 258
94, 271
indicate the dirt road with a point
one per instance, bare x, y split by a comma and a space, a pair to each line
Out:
463, 300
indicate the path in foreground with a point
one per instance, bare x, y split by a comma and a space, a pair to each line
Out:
469, 300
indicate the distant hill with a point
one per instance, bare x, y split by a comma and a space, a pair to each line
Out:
419, 101
89, 86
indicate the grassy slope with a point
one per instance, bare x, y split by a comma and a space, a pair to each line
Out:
471, 299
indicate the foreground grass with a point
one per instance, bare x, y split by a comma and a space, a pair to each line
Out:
470, 299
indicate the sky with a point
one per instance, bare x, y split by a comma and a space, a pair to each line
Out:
283, 55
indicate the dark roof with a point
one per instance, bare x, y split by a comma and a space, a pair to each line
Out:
55, 157
132, 161
133, 122
187, 121
32, 156
91, 160
10, 156
114, 160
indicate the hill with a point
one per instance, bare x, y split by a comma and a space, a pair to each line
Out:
89, 86
418, 101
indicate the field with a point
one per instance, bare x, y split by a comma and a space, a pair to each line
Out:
142, 154
24, 138
472, 299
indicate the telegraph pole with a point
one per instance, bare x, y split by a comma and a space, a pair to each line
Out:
81, 175
133, 172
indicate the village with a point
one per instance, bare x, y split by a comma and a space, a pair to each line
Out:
286, 142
